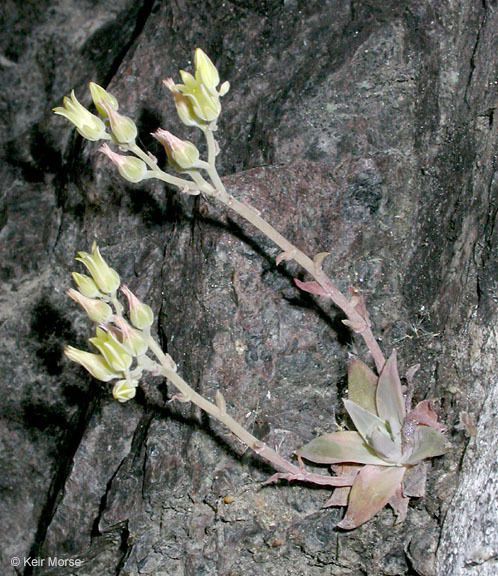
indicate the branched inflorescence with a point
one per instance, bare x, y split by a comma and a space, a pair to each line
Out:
379, 463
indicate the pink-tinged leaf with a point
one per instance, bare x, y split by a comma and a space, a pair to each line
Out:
358, 303
311, 287
410, 373
399, 504
340, 497
371, 491
362, 385
339, 447
427, 443
466, 423
423, 413
365, 422
414, 481
389, 397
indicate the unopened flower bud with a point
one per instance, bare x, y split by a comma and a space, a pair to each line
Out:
98, 311
86, 285
100, 95
184, 106
141, 315
129, 167
125, 390
123, 128
94, 363
205, 104
224, 88
205, 71
87, 124
183, 155
104, 276
114, 352
131, 337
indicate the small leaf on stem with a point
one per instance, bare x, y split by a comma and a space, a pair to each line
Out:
311, 287
283, 256
318, 260
220, 402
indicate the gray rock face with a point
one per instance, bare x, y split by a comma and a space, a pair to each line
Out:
366, 129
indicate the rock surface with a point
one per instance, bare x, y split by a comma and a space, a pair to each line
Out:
363, 128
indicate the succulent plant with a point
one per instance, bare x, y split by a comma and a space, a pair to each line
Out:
386, 451
379, 463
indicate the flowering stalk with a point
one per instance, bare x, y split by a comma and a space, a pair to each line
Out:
390, 439
358, 321
123, 345
218, 411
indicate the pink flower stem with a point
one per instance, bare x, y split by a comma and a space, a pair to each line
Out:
188, 394
250, 214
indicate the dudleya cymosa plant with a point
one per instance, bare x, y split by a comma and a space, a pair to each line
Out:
379, 463
390, 440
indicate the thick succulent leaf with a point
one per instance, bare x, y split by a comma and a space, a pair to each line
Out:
364, 421
427, 443
362, 385
339, 447
424, 413
399, 503
415, 480
340, 497
385, 447
389, 397
371, 491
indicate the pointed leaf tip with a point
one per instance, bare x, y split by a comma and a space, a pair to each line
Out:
389, 397
362, 385
371, 491
339, 447
364, 421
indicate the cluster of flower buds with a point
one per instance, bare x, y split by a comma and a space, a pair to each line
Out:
123, 130
117, 340
197, 100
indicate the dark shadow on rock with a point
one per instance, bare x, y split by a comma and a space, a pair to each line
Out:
50, 328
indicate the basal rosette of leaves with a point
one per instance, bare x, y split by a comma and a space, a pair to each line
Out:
385, 452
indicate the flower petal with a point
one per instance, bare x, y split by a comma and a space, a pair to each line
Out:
372, 489
339, 447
